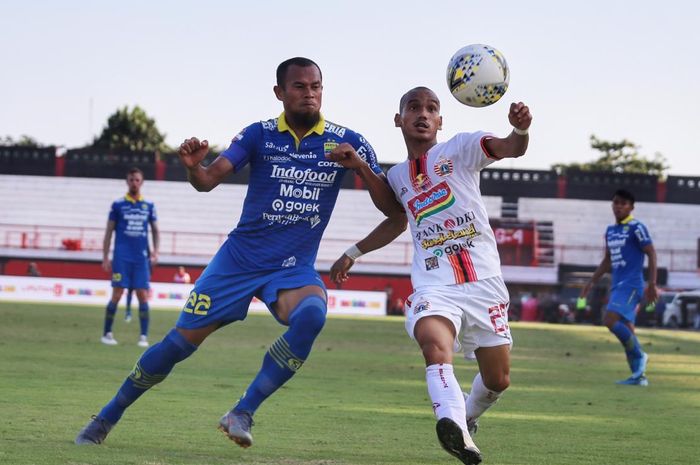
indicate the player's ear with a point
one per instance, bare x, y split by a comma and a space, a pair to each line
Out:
440, 124
397, 120
279, 92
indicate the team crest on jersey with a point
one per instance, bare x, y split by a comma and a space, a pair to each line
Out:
443, 167
421, 307
432, 263
431, 202
421, 182
404, 191
328, 147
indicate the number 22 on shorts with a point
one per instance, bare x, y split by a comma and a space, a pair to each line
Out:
197, 304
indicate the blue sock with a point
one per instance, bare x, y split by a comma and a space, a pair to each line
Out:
152, 368
287, 354
628, 339
143, 318
110, 311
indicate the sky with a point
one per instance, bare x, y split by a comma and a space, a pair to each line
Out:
615, 69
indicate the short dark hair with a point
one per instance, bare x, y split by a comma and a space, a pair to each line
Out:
624, 194
296, 61
406, 96
134, 170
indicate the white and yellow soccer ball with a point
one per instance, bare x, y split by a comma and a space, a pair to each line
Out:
478, 75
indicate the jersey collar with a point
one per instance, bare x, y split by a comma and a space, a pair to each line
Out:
626, 220
318, 128
129, 198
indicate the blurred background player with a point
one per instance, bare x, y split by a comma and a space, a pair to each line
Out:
129, 219
271, 252
456, 271
626, 243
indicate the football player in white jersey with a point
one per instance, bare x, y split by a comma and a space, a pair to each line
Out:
459, 295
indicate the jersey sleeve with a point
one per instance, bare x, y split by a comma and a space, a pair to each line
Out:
642, 235
153, 216
472, 151
366, 152
243, 146
113, 214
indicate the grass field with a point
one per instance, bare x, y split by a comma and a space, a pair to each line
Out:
360, 399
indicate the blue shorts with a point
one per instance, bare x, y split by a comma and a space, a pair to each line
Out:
624, 300
131, 275
223, 292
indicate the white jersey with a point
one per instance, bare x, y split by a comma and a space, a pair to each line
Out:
453, 241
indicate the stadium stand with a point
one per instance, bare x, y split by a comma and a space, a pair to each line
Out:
48, 199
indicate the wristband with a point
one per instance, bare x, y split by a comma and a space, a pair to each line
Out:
353, 252
520, 132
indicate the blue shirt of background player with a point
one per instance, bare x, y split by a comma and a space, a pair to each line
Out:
625, 242
131, 219
291, 192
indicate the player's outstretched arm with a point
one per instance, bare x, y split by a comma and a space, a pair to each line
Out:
651, 293
383, 234
603, 268
202, 178
515, 145
106, 264
382, 196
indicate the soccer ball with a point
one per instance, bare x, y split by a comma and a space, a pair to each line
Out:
478, 75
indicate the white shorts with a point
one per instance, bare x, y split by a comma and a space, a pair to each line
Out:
478, 311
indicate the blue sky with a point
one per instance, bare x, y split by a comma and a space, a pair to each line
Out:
616, 69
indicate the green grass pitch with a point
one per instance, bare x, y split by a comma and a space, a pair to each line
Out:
360, 398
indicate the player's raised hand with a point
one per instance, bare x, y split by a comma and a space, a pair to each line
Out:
519, 116
192, 152
346, 155
339, 270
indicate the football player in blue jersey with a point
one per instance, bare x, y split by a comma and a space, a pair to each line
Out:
626, 243
130, 218
271, 253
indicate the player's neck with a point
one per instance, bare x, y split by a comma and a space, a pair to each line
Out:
417, 149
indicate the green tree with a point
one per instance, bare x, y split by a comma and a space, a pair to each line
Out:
131, 130
23, 141
618, 157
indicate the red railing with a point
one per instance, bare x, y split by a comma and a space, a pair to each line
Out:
44, 237
398, 253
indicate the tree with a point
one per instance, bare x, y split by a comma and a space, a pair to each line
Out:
618, 157
23, 141
131, 130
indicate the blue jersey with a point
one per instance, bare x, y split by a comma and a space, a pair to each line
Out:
625, 242
291, 192
131, 217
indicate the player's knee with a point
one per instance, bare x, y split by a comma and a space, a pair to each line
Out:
310, 314
499, 383
435, 352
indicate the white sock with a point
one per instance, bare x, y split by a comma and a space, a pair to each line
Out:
444, 391
480, 398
